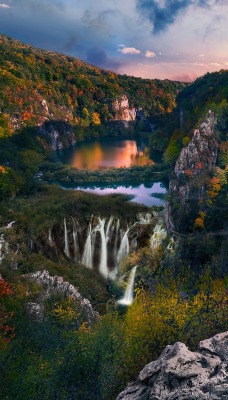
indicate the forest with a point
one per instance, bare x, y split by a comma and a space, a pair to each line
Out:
49, 347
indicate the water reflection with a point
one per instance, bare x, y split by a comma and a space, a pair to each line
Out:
149, 195
108, 153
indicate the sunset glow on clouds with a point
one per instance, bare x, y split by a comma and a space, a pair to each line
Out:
160, 38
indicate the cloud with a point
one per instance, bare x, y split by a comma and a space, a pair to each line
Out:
150, 54
97, 56
164, 13
201, 55
129, 50
4, 6
215, 64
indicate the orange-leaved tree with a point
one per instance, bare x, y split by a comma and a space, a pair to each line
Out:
6, 331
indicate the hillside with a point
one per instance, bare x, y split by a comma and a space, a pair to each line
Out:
37, 85
92, 288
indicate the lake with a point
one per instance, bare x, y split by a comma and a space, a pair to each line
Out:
147, 194
107, 153
114, 153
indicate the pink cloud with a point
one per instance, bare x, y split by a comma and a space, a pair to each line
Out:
129, 50
150, 54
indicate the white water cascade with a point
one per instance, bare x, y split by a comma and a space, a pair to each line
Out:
108, 228
158, 236
129, 292
87, 257
124, 247
75, 240
103, 268
50, 240
66, 243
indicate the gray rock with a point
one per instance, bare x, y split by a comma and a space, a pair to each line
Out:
53, 285
180, 374
191, 169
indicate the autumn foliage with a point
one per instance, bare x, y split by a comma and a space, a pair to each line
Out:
6, 331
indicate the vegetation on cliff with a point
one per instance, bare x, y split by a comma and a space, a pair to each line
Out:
180, 292
37, 85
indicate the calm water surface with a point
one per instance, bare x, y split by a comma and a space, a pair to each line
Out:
140, 193
113, 153
107, 153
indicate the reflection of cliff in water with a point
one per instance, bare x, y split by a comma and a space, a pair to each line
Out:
107, 153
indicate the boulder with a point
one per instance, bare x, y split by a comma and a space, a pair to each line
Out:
180, 374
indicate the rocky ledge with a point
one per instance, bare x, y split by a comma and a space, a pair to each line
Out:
188, 183
180, 374
53, 285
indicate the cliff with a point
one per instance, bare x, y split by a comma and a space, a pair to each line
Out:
122, 110
195, 162
52, 285
180, 374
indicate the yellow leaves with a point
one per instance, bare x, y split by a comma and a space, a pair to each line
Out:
65, 313
2, 169
214, 187
96, 118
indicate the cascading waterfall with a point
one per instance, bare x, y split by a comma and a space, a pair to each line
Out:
108, 228
158, 236
87, 258
172, 245
50, 240
75, 240
66, 243
103, 268
124, 247
129, 292
145, 219
116, 238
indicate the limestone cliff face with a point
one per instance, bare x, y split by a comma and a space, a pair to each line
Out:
180, 374
52, 285
57, 135
194, 163
122, 110
201, 152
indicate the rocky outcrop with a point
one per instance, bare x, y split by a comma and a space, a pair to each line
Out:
58, 135
52, 285
194, 163
122, 110
180, 374
201, 152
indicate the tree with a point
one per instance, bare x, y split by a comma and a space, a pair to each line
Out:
6, 331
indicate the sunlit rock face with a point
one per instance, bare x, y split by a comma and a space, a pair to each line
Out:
52, 285
122, 110
194, 163
180, 374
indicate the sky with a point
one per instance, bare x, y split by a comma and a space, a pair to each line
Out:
165, 39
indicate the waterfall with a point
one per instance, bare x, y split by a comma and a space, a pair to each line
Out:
172, 245
116, 238
108, 228
158, 236
4, 247
124, 247
66, 246
50, 240
87, 258
75, 240
129, 292
145, 219
103, 268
